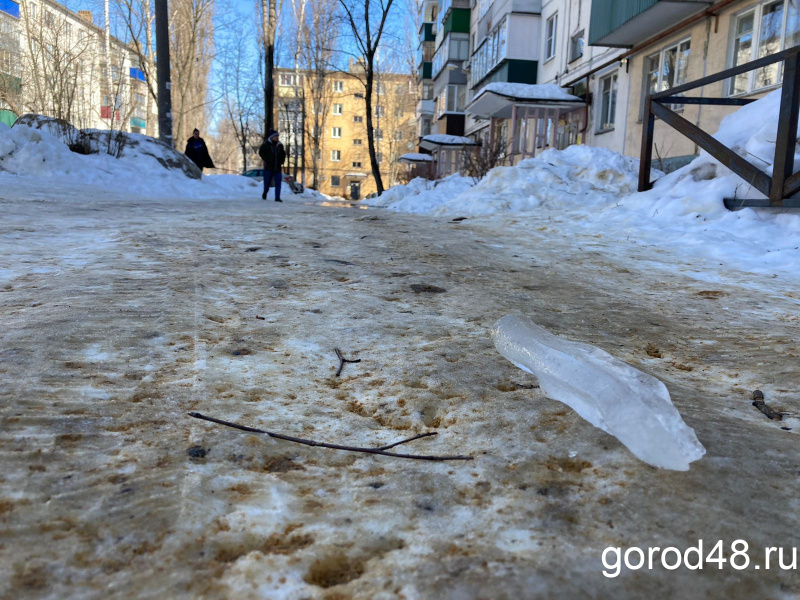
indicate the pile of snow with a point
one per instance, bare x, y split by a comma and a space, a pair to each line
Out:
594, 190
555, 178
421, 195
146, 166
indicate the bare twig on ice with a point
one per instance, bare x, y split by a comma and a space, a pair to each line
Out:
343, 360
381, 450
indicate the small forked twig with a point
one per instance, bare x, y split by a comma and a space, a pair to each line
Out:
382, 450
343, 360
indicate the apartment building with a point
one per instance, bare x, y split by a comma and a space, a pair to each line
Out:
56, 62
334, 123
671, 43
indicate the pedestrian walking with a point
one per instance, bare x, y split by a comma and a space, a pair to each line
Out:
197, 151
273, 155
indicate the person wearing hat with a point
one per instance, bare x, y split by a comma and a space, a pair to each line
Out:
273, 155
197, 151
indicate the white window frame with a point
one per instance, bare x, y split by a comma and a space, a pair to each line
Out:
358, 118
660, 81
577, 45
757, 12
337, 109
380, 111
551, 37
338, 86
606, 116
336, 132
336, 155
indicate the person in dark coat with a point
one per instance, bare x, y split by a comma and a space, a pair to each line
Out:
197, 151
273, 155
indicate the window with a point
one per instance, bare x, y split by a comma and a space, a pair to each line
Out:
289, 79
455, 47
335, 181
338, 86
336, 132
667, 69
759, 32
336, 155
427, 91
550, 37
357, 164
337, 109
49, 21
398, 135
33, 11
576, 46
378, 134
425, 125
456, 98
491, 52
381, 88
380, 111
608, 102
356, 142
358, 119
379, 158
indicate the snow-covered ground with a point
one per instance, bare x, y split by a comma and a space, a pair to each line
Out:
35, 157
592, 191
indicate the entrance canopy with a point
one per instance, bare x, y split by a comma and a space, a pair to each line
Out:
496, 100
437, 141
414, 158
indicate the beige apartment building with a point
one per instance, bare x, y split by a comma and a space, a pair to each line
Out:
332, 120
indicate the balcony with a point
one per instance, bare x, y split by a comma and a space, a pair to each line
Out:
137, 122
625, 23
456, 21
425, 107
425, 70
427, 32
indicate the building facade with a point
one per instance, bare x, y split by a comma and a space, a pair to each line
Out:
57, 63
325, 135
609, 54
669, 44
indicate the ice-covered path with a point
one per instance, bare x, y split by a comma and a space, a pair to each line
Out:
118, 316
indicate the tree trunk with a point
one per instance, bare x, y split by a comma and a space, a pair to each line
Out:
373, 158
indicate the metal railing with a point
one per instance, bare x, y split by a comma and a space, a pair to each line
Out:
782, 183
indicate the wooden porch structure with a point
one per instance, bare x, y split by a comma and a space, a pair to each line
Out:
782, 183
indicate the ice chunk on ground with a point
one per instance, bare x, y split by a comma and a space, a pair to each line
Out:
630, 405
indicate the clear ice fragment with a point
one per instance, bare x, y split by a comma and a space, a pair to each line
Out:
632, 406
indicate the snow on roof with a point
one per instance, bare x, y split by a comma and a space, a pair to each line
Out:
529, 91
435, 140
414, 157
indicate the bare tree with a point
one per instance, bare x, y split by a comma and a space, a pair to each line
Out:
367, 24
237, 85
269, 26
191, 54
318, 38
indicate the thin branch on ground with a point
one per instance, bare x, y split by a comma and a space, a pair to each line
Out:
382, 450
343, 360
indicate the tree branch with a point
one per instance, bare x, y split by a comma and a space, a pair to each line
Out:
381, 450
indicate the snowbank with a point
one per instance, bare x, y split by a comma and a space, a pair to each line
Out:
146, 167
421, 195
594, 190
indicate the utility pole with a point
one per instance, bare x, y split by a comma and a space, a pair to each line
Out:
162, 72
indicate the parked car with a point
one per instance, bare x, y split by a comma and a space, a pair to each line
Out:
288, 180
